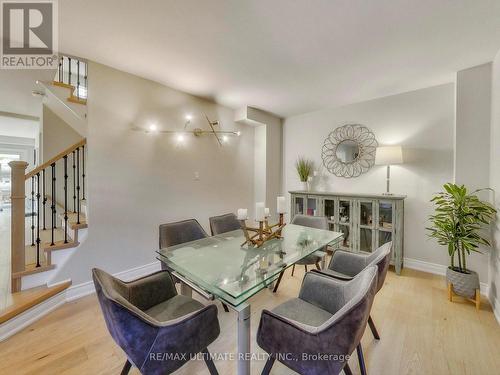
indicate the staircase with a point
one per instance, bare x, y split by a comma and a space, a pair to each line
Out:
72, 75
66, 93
48, 207
56, 224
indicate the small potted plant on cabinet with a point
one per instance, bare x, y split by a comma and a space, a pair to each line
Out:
457, 224
304, 169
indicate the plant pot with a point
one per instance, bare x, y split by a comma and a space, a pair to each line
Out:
464, 284
305, 185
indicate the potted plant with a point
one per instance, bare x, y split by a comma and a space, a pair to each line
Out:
457, 224
304, 169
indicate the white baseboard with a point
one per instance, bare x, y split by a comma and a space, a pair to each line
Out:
74, 292
495, 304
438, 269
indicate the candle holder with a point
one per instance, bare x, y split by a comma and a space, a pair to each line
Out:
265, 232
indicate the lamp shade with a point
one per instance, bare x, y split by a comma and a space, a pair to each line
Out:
389, 155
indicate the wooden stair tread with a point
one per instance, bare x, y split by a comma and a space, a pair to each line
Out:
82, 225
19, 302
65, 85
32, 269
74, 99
73, 216
60, 245
45, 238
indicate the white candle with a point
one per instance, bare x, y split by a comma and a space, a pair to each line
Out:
281, 204
259, 211
242, 214
266, 212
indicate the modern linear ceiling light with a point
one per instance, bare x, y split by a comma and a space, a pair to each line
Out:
222, 136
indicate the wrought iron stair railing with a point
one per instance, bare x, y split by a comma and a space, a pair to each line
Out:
73, 73
44, 183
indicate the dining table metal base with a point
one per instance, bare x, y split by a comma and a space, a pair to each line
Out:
244, 350
243, 356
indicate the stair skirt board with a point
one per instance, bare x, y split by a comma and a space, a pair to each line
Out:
14, 325
74, 292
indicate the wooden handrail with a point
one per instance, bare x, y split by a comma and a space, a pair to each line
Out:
59, 156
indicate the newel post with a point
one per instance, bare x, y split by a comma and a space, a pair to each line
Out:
17, 198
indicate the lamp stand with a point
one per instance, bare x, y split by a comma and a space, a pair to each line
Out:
388, 181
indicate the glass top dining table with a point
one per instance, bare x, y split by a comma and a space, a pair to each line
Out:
220, 267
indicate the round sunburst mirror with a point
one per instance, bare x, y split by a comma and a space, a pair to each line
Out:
349, 150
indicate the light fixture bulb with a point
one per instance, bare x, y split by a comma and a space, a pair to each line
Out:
153, 127
225, 138
238, 133
180, 137
189, 117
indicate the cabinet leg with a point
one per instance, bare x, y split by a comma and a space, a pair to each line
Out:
450, 292
478, 299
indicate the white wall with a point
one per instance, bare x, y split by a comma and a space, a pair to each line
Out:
259, 165
268, 154
57, 135
472, 142
494, 280
271, 165
421, 121
138, 181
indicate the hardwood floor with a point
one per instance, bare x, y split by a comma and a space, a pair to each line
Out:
421, 333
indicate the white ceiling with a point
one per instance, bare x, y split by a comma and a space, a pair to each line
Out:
16, 86
284, 56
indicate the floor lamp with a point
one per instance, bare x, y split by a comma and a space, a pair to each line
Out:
388, 155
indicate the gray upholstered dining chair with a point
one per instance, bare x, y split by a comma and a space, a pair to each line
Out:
315, 258
179, 232
223, 223
157, 329
327, 319
345, 265
172, 234
318, 222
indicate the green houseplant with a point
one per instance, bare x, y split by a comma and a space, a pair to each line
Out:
457, 222
304, 169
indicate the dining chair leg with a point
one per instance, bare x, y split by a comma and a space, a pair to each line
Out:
269, 364
361, 359
305, 266
318, 267
226, 309
278, 281
126, 368
209, 362
373, 328
347, 369
293, 269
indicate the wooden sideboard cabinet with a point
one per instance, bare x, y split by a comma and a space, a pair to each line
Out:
367, 220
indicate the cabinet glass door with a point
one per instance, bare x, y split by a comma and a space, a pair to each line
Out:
366, 226
344, 222
329, 211
299, 205
385, 223
313, 206
385, 215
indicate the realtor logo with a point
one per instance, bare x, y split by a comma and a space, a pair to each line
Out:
29, 34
